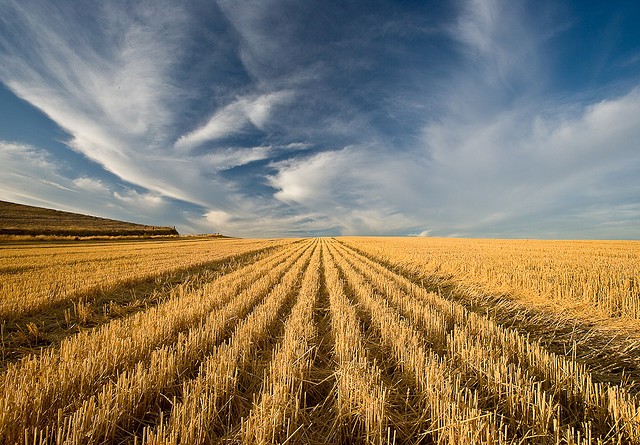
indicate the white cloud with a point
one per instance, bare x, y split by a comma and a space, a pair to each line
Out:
234, 157
503, 60
124, 84
272, 223
259, 110
511, 174
305, 181
258, 42
139, 200
217, 218
109, 86
360, 190
90, 184
296, 146
487, 151
30, 175
531, 163
498, 37
611, 124
233, 118
225, 122
477, 25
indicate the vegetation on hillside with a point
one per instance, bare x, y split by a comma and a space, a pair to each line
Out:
19, 219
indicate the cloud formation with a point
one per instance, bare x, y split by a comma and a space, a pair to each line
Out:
276, 118
32, 176
233, 118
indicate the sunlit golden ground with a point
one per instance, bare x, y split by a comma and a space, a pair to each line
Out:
348, 340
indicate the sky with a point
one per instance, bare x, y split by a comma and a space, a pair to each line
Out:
265, 118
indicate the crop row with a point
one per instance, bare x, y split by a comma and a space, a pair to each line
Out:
35, 278
313, 343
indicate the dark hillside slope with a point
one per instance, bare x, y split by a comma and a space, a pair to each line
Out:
19, 219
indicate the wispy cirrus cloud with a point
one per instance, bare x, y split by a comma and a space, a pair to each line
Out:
116, 86
522, 173
107, 85
33, 176
496, 158
276, 117
360, 190
91, 184
234, 117
533, 163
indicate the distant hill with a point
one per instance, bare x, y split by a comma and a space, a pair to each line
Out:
19, 219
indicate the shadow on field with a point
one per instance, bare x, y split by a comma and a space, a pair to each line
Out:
47, 328
611, 356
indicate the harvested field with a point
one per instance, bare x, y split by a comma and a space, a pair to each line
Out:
346, 341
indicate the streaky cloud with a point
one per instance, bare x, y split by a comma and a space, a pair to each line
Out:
234, 117
284, 118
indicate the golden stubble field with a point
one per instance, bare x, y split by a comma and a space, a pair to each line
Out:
345, 341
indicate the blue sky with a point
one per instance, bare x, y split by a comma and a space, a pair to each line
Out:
481, 118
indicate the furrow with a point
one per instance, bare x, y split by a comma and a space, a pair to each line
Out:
44, 331
610, 353
213, 401
361, 398
35, 391
279, 414
541, 394
452, 410
135, 393
82, 272
320, 401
